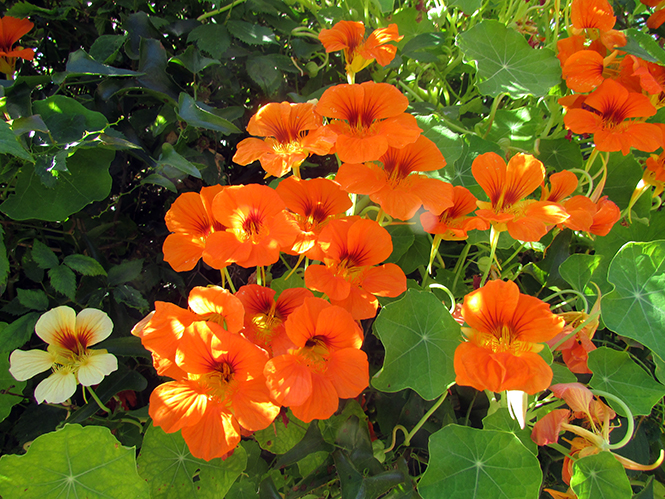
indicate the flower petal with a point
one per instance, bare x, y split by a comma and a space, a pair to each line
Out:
55, 324
57, 388
95, 367
93, 325
25, 365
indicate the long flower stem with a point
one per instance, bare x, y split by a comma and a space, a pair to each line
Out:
494, 241
99, 402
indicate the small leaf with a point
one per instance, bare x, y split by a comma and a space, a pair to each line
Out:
152, 63
80, 63
33, 123
84, 265
263, 70
125, 272
17, 333
10, 390
616, 373
43, 255
449, 143
211, 38
76, 461
560, 154
172, 472
193, 60
279, 437
106, 47
34, 299
130, 297
600, 476
171, 158
636, 307
63, 280
420, 338
67, 119
9, 143
468, 463
253, 34
506, 62
160, 180
199, 115
643, 46
501, 420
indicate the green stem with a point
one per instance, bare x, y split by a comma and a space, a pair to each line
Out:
423, 420
494, 241
574, 331
219, 11
99, 402
582, 296
629, 417
493, 110
460, 264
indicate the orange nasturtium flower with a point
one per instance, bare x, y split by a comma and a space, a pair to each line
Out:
452, 223
367, 118
312, 204
257, 227
394, 185
11, 30
507, 186
506, 330
359, 52
595, 218
292, 131
191, 222
607, 113
265, 316
596, 18
224, 391
349, 276
326, 365
68, 336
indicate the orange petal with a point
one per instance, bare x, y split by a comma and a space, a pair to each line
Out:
348, 371
216, 434
321, 404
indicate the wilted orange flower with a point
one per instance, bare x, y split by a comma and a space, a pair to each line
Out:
191, 222
506, 331
367, 118
292, 131
313, 203
349, 276
507, 187
453, 223
596, 218
258, 228
224, 391
326, 365
11, 30
395, 186
349, 36
265, 316
606, 114
562, 184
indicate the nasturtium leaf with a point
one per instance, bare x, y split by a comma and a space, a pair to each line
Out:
172, 472
560, 154
636, 307
502, 421
506, 62
17, 333
253, 34
84, 265
106, 47
63, 280
68, 119
561, 374
467, 463
467, 6
449, 143
623, 174
34, 299
459, 173
616, 373
420, 338
515, 127
75, 461
643, 46
192, 59
43, 255
9, 143
210, 38
125, 272
579, 271
282, 434
600, 476
152, 63
263, 70
88, 180
80, 63
402, 237
170, 157
10, 389
199, 115
417, 254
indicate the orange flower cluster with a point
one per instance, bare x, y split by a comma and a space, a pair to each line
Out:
11, 30
235, 359
624, 89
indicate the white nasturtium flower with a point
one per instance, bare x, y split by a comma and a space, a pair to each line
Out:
68, 336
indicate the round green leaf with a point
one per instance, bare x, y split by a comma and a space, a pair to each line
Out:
506, 62
420, 338
88, 180
600, 476
281, 435
636, 307
616, 373
172, 472
76, 461
466, 463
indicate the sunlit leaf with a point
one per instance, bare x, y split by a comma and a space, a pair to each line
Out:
502, 421
467, 463
282, 434
636, 307
9, 143
75, 461
172, 472
600, 476
420, 338
252, 34
198, 115
506, 62
615, 372
643, 46
516, 127
560, 154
